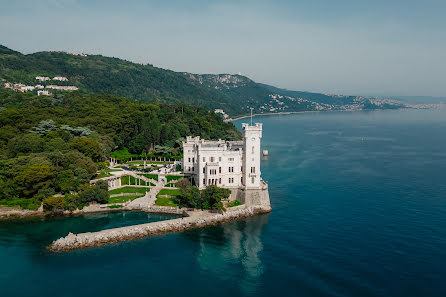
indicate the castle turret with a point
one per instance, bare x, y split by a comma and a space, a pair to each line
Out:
252, 135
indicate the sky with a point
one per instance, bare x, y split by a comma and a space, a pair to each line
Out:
351, 47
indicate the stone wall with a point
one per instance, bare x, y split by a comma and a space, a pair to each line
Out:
259, 197
165, 209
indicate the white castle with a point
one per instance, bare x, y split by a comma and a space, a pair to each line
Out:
228, 164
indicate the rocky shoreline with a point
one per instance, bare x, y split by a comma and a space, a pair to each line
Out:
193, 219
17, 212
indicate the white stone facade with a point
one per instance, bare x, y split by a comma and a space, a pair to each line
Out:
227, 164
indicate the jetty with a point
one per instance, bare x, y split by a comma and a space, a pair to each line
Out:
191, 219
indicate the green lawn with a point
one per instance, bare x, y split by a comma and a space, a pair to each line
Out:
170, 185
152, 176
234, 203
173, 177
171, 192
106, 172
129, 190
115, 206
121, 199
166, 202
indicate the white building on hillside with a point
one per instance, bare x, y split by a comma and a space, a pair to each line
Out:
43, 92
42, 78
228, 164
63, 88
60, 78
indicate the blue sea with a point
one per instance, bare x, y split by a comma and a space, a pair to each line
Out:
359, 209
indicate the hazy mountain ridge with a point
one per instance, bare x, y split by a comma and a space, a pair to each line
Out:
235, 94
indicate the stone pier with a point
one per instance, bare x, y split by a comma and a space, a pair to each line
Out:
194, 219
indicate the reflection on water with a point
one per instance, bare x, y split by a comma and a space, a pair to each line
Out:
236, 244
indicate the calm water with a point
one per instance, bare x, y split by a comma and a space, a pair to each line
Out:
359, 209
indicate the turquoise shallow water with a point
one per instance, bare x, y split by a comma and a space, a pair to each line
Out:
359, 209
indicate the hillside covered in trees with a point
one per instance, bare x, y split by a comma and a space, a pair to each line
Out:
235, 94
55, 144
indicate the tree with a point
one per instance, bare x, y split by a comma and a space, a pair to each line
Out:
89, 147
195, 198
64, 181
53, 203
212, 197
44, 127
75, 160
122, 155
95, 193
55, 144
183, 183
82, 177
34, 178
7, 132
25, 144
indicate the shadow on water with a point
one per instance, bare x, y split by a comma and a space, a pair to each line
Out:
233, 245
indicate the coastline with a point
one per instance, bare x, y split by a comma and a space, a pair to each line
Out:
191, 220
269, 113
19, 213
310, 111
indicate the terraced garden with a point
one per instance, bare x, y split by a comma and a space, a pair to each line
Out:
129, 190
166, 201
130, 180
121, 199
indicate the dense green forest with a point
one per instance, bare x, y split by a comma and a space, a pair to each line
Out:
95, 73
53, 144
235, 94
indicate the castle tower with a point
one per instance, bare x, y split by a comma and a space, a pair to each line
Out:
252, 135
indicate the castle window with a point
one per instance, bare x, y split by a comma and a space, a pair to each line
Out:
204, 159
252, 180
219, 180
219, 169
189, 160
241, 180
204, 181
193, 160
219, 159
204, 170
193, 168
231, 169
231, 159
253, 170
212, 159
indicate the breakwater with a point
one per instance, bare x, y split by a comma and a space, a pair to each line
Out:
193, 219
